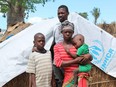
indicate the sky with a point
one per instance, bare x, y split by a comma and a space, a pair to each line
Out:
107, 10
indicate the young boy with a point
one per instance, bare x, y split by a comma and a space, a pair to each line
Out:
40, 64
82, 48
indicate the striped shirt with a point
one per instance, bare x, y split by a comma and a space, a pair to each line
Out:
60, 55
41, 65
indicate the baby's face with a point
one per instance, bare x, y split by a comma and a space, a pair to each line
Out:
77, 42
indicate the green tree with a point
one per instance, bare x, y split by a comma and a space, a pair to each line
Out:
17, 10
84, 14
96, 13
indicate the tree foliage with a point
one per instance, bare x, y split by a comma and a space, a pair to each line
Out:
84, 14
96, 13
29, 5
16, 10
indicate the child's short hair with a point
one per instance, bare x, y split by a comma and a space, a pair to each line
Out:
35, 36
81, 37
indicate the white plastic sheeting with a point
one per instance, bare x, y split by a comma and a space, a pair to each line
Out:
14, 52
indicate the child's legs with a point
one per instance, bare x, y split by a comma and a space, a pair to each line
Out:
76, 71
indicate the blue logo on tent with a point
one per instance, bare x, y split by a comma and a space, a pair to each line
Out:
97, 51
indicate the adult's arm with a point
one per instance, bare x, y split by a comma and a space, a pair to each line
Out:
80, 60
61, 63
68, 52
74, 61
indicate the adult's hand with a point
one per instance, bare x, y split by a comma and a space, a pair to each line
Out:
86, 58
73, 61
34, 49
79, 59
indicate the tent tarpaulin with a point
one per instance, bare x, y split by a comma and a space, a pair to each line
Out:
14, 52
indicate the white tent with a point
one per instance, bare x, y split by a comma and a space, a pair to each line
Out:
14, 52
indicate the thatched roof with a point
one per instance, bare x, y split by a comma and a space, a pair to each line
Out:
12, 30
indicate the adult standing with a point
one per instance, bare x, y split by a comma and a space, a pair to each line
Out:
65, 61
62, 14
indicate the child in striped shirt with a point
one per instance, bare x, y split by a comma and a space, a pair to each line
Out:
40, 64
